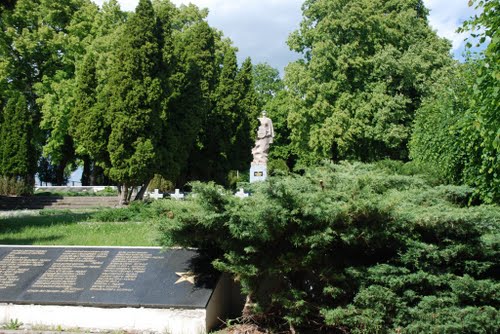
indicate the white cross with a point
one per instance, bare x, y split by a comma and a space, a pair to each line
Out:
156, 194
241, 193
177, 195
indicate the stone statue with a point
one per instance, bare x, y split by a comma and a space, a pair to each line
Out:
265, 135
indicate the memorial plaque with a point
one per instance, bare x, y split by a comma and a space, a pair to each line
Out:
258, 173
104, 277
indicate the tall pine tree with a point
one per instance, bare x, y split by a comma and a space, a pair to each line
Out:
193, 82
210, 160
135, 101
88, 123
245, 122
17, 151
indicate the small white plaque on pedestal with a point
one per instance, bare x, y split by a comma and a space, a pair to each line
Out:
258, 173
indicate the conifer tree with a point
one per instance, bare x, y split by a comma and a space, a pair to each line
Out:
135, 101
210, 160
192, 83
88, 123
17, 152
245, 123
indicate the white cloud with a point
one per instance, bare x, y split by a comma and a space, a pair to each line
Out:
446, 16
260, 28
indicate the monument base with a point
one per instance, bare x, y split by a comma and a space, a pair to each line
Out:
258, 173
178, 321
113, 288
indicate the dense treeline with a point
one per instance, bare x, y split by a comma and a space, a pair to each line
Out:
160, 92
130, 95
458, 126
376, 82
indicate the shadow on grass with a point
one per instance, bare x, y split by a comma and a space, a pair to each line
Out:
18, 224
29, 241
27, 202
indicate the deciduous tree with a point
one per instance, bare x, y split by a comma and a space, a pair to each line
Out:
483, 122
458, 126
366, 66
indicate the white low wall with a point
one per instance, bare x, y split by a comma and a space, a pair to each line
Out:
172, 321
75, 188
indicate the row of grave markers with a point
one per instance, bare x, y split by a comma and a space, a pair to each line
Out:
178, 195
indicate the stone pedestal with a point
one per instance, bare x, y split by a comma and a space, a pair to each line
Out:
258, 173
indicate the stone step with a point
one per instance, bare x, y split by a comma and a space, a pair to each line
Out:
41, 202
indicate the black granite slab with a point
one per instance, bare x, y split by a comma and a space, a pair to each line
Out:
104, 277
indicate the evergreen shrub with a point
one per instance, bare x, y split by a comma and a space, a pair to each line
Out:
11, 186
350, 248
159, 182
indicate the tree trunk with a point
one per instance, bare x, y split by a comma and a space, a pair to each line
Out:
142, 191
248, 309
87, 170
123, 193
98, 177
60, 179
68, 155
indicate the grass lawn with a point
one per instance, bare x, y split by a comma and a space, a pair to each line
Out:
77, 227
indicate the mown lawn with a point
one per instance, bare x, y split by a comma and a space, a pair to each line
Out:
65, 227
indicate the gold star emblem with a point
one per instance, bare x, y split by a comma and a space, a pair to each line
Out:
186, 276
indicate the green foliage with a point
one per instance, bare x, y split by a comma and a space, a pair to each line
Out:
457, 126
56, 91
13, 324
107, 192
88, 129
192, 83
17, 149
226, 137
483, 122
14, 187
246, 122
90, 121
437, 135
39, 44
135, 99
160, 183
366, 67
355, 248
129, 94
267, 83
277, 166
136, 211
9, 4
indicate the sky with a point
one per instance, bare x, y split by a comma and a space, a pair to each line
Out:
260, 28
